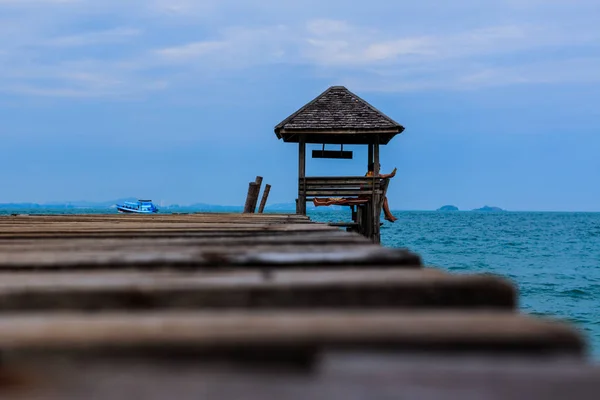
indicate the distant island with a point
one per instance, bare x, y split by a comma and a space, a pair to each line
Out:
484, 208
448, 208
488, 208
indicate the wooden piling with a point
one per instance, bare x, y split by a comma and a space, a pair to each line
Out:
258, 182
265, 196
252, 193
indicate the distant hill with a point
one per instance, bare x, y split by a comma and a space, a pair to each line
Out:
19, 205
488, 209
207, 207
197, 207
66, 204
448, 208
290, 207
112, 204
88, 204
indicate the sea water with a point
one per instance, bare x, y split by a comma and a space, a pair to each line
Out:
553, 258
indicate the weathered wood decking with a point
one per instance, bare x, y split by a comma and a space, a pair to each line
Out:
116, 306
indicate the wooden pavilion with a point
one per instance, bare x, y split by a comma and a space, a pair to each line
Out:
338, 116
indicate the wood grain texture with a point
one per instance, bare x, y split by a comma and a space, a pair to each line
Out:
195, 241
278, 332
294, 289
342, 376
95, 306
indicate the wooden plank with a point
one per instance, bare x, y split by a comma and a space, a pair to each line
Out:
35, 227
313, 256
377, 188
153, 234
339, 187
154, 254
321, 289
189, 227
343, 224
275, 333
165, 226
334, 184
338, 376
159, 223
337, 179
275, 238
231, 217
150, 223
24, 249
341, 178
340, 181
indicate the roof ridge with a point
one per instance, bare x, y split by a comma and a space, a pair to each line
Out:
369, 105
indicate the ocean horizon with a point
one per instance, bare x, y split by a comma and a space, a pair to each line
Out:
102, 207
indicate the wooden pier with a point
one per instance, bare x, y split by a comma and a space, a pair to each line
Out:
229, 306
339, 117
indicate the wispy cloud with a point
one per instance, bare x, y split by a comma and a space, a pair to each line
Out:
85, 79
110, 36
183, 7
191, 50
234, 49
356, 46
49, 49
20, 3
578, 70
464, 59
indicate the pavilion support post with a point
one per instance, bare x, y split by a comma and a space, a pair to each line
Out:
376, 157
364, 218
301, 205
376, 201
265, 196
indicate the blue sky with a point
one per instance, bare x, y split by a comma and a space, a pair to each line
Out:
176, 100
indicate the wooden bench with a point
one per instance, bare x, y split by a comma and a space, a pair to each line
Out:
365, 218
348, 186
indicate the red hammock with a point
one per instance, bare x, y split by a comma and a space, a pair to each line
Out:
339, 201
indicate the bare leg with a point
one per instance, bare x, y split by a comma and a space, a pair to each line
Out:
386, 211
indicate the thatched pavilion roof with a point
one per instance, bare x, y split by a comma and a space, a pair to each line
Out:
338, 116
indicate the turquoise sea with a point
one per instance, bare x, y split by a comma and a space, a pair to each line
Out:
553, 258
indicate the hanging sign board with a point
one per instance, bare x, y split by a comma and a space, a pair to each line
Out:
332, 153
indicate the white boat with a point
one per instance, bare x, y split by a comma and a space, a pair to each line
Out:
141, 207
